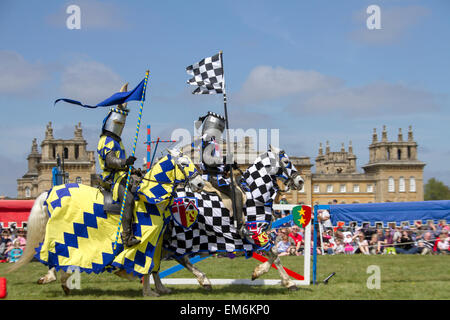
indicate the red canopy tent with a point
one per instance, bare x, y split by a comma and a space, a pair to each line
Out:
15, 211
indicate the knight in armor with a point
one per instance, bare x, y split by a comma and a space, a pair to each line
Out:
214, 165
114, 165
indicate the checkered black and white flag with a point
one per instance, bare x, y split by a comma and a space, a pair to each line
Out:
207, 75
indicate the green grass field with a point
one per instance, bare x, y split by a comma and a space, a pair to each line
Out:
402, 277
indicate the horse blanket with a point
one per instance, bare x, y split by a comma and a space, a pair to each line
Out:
81, 234
214, 230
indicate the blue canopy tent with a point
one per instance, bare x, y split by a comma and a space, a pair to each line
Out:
385, 213
389, 212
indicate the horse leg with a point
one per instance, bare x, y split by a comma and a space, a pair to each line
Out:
159, 287
285, 279
64, 277
146, 290
49, 277
265, 267
262, 268
201, 277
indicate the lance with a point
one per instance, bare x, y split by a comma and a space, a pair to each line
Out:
141, 107
233, 196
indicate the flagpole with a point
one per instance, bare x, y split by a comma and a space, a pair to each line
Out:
233, 196
132, 154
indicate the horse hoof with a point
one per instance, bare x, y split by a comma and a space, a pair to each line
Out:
165, 291
293, 288
44, 280
66, 290
151, 293
207, 287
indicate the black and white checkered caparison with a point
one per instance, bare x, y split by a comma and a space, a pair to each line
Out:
214, 230
207, 75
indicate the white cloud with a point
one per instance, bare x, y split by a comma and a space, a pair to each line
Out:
395, 23
18, 76
379, 98
89, 82
265, 82
302, 92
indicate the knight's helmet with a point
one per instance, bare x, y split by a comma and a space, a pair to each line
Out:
115, 120
213, 126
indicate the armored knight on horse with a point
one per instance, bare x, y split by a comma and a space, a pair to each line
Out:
114, 164
215, 167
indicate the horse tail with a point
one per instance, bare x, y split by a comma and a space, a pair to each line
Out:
37, 222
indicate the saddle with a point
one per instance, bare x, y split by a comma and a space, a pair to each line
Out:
109, 205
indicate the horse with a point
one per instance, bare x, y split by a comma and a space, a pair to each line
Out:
69, 227
214, 230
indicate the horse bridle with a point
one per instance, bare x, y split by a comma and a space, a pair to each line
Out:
290, 179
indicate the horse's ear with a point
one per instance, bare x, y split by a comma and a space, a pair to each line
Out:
175, 152
274, 149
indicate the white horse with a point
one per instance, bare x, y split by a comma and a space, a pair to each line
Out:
177, 168
214, 231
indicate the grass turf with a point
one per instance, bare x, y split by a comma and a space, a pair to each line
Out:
403, 277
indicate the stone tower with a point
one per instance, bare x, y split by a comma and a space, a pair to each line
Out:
336, 162
78, 162
398, 172
27, 185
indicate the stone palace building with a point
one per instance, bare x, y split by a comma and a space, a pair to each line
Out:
393, 172
78, 162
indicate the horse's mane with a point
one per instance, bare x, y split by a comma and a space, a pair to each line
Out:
261, 184
159, 181
157, 184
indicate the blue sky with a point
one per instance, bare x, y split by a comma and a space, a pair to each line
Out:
309, 68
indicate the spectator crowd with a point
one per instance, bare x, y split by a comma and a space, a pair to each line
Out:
289, 239
421, 238
13, 243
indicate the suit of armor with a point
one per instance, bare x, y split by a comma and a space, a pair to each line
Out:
214, 166
114, 165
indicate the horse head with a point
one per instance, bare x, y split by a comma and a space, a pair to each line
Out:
161, 180
286, 170
267, 168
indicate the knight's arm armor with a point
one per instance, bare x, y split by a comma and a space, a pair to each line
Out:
211, 162
113, 162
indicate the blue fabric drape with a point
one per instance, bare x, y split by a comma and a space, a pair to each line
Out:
115, 99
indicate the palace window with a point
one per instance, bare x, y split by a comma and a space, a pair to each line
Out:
343, 188
391, 184
412, 184
329, 188
316, 188
66, 153
78, 180
77, 151
370, 188
27, 192
401, 184
356, 188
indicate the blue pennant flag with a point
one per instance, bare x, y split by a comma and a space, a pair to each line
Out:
115, 99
